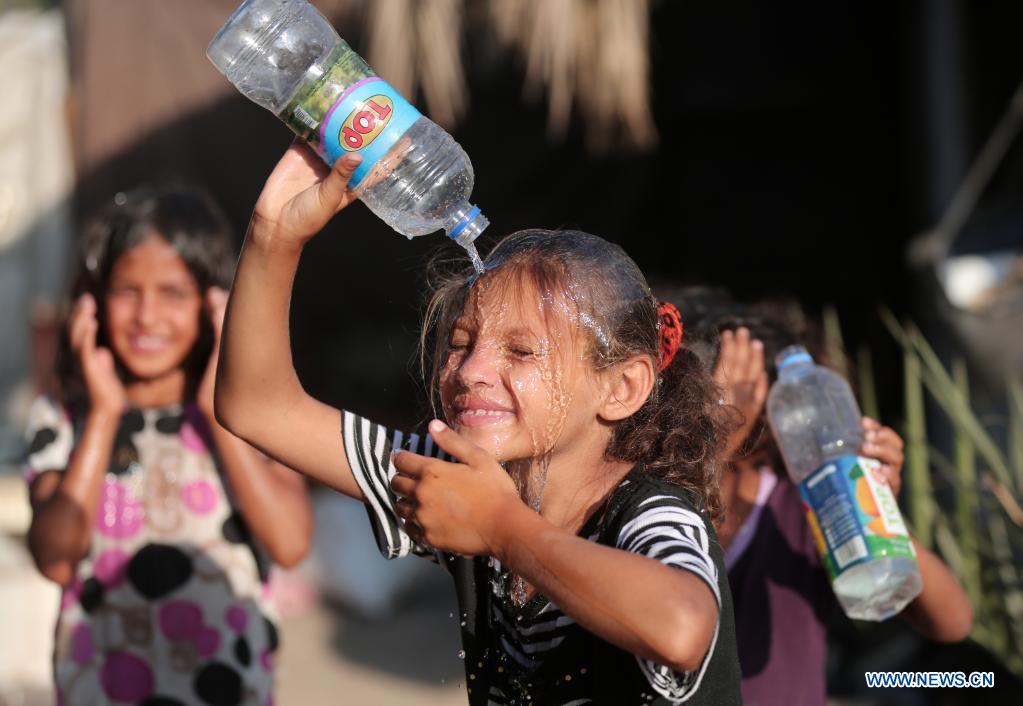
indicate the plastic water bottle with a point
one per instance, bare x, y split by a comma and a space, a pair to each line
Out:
285, 56
855, 520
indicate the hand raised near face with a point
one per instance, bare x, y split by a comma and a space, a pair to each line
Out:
453, 506
741, 374
106, 391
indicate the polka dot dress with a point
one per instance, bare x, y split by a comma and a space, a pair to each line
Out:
169, 605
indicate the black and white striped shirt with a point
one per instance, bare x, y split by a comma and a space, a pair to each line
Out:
535, 654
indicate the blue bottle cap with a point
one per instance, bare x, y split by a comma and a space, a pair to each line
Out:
793, 355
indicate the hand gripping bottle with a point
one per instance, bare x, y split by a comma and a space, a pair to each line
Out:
854, 519
286, 57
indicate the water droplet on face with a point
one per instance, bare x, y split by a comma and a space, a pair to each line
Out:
463, 623
451, 615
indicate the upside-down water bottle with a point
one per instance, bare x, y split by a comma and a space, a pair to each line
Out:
854, 519
285, 56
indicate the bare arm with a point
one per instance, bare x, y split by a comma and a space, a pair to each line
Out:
64, 505
258, 394
658, 612
271, 497
942, 611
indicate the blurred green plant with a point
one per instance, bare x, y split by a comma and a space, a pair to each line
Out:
981, 534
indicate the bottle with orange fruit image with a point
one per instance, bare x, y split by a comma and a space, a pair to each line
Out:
853, 516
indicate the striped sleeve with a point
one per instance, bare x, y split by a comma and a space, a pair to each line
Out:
666, 528
368, 448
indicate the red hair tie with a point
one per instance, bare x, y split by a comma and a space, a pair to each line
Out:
669, 329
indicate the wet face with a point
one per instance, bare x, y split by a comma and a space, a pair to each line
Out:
153, 308
517, 379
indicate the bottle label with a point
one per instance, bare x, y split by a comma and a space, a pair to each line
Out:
369, 118
853, 517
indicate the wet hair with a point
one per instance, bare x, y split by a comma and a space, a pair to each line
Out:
187, 219
677, 432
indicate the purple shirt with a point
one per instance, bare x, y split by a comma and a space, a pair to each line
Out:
782, 599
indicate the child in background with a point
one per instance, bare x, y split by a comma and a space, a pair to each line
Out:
152, 516
783, 598
577, 519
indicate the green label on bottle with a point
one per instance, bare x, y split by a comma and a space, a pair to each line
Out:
853, 517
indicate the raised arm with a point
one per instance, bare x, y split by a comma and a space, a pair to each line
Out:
258, 395
64, 500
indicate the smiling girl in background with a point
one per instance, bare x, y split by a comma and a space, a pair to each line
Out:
153, 517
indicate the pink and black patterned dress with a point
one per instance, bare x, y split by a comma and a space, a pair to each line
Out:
170, 605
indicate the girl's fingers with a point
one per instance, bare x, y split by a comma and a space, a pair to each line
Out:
870, 428
216, 298
76, 330
403, 486
80, 315
879, 475
415, 533
413, 530
723, 369
755, 365
885, 453
761, 389
883, 443
889, 476
83, 336
411, 464
89, 339
886, 436
462, 449
405, 508
332, 189
105, 359
741, 353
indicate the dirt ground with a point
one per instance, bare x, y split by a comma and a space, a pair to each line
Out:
329, 657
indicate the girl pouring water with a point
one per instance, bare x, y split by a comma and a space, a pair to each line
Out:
569, 483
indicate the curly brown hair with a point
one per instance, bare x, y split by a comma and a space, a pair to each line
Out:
677, 433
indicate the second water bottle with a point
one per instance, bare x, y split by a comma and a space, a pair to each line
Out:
854, 518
